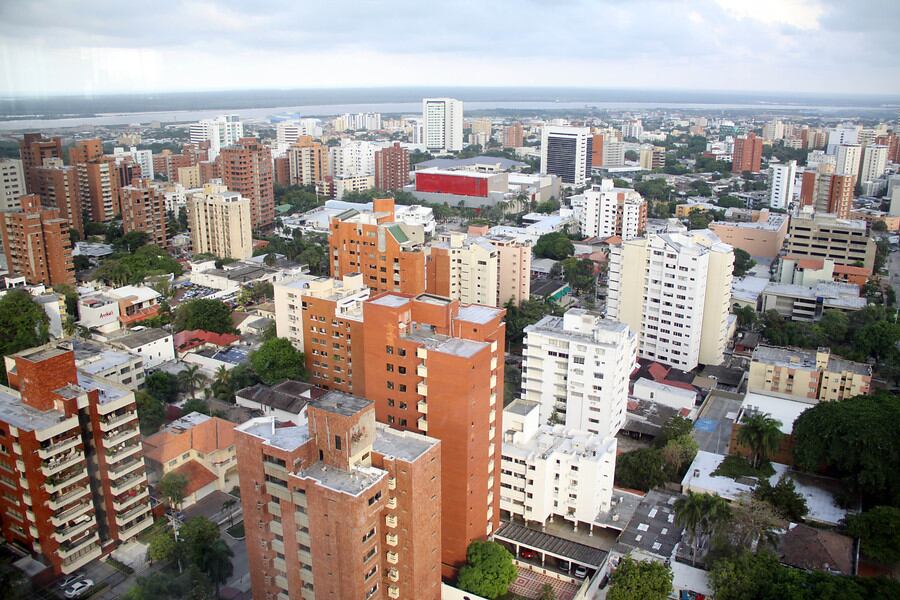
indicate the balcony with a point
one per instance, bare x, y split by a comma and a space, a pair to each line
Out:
394, 575
124, 503
423, 424
55, 483
422, 371
127, 483
392, 557
59, 446
51, 467
114, 455
393, 591
81, 558
67, 549
135, 528
122, 469
392, 483
120, 436
64, 517
391, 539
60, 501
116, 420
422, 407
390, 520
422, 389
128, 516
67, 533
392, 502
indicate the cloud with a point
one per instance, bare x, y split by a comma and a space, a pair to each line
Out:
56, 46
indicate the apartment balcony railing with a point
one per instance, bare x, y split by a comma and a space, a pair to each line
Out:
58, 481
51, 467
423, 424
67, 515
390, 520
391, 539
67, 533
59, 446
393, 591
392, 483
392, 557
123, 485
135, 527
394, 575
422, 407
129, 515
120, 469
62, 500
392, 502
127, 501
67, 549
117, 437
114, 455
81, 558
114, 421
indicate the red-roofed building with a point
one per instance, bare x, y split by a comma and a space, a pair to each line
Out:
199, 447
197, 339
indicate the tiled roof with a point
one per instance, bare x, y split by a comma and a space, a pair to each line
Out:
185, 340
177, 438
198, 476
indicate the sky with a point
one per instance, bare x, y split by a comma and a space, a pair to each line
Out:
51, 47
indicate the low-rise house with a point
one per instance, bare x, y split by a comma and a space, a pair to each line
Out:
199, 447
154, 345
193, 340
286, 401
815, 375
813, 549
112, 309
100, 360
808, 303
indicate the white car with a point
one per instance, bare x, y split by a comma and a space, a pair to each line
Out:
69, 580
79, 588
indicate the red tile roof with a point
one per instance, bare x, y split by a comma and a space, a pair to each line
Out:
657, 371
185, 340
198, 476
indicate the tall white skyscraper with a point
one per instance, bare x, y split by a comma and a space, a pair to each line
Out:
845, 134
848, 159
566, 152
577, 368
442, 124
144, 158
674, 291
221, 132
781, 184
874, 163
607, 211
12, 183
352, 158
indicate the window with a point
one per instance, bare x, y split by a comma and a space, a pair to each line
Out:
337, 442
389, 368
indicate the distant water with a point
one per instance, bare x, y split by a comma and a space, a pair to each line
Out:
78, 111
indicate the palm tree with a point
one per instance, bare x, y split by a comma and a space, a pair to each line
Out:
215, 561
228, 505
761, 433
689, 514
191, 378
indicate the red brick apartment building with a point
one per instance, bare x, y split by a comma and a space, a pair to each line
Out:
58, 187
144, 209
247, 168
72, 482
747, 154
340, 508
33, 149
391, 167
37, 244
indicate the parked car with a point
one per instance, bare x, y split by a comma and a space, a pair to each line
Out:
70, 579
79, 589
580, 571
563, 565
526, 553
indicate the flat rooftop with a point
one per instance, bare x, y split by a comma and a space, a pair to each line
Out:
801, 358
136, 339
390, 300
520, 406
402, 445
476, 313
557, 546
108, 390
785, 410
24, 417
652, 527
284, 438
341, 403
353, 482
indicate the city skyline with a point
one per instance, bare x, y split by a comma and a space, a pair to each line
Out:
51, 49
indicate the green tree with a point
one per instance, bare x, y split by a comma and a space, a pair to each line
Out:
215, 562
190, 378
205, 314
731, 202
24, 325
162, 546
761, 434
162, 386
678, 453
753, 524
196, 405
554, 245
835, 325
132, 240
640, 580
488, 571
784, 498
742, 262
277, 360
701, 515
198, 534
579, 274
879, 532
124, 269
641, 469
857, 439
746, 316
879, 226
172, 487
675, 427
151, 412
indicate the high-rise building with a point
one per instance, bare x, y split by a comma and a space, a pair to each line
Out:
747, 154
513, 269
632, 128
848, 157
71, 439
144, 209
674, 291
143, 158
443, 124
219, 221
826, 192
57, 185
308, 162
286, 132
597, 149
609, 211
33, 149
415, 349
341, 507
844, 134
781, 184
376, 246
463, 269
12, 183
98, 185
566, 152
874, 162
652, 157
613, 153
37, 244
246, 168
220, 132
773, 130
577, 368
513, 136
352, 158
85, 151
391, 167
825, 236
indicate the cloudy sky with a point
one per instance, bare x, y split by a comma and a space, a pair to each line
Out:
99, 46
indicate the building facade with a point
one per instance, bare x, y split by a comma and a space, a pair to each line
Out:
566, 152
217, 133
144, 209
220, 223
308, 162
781, 184
57, 185
811, 374
464, 269
610, 211
826, 236
391, 167
747, 155
443, 124
12, 183
37, 244
246, 168
33, 150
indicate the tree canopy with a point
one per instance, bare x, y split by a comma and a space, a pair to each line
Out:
205, 314
554, 245
277, 360
24, 324
879, 532
125, 269
151, 412
857, 439
640, 580
488, 571
172, 488
742, 262
162, 385
579, 274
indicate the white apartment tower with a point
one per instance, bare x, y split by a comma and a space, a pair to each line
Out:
874, 162
566, 152
781, 184
609, 211
443, 124
674, 291
553, 471
848, 159
219, 221
577, 368
353, 158
221, 132
12, 184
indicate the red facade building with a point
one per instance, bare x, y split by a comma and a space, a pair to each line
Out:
391, 168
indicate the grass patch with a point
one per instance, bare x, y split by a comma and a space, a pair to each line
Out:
737, 466
119, 566
236, 531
